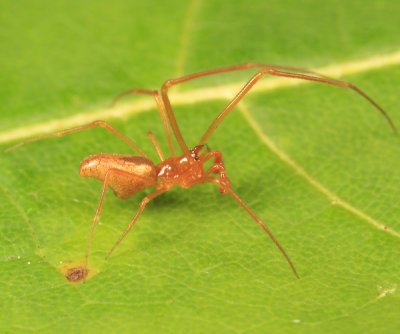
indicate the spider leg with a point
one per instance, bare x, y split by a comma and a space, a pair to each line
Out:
277, 70
96, 217
261, 73
161, 109
218, 167
142, 206
64, 132
129, 92
226, 189
156, 145
258, 221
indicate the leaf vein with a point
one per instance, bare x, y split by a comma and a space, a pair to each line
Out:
334, 198
25, 218
184, 42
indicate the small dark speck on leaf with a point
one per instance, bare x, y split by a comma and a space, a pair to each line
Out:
76, 274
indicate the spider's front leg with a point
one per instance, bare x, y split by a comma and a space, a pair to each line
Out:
218, 167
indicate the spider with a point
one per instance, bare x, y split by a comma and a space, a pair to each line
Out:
129, 174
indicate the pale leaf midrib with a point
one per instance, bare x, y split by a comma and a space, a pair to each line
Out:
192, 96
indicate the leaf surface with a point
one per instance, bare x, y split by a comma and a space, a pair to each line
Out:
317, 163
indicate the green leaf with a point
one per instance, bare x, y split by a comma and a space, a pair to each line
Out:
317, 163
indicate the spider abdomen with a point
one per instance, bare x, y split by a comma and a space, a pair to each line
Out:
124, 186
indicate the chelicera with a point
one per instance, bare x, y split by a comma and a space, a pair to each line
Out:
129, 174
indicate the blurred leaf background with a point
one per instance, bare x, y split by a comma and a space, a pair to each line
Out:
195, 262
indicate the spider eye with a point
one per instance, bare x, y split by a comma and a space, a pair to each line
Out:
196, 158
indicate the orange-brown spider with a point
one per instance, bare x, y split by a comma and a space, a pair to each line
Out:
129, 174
